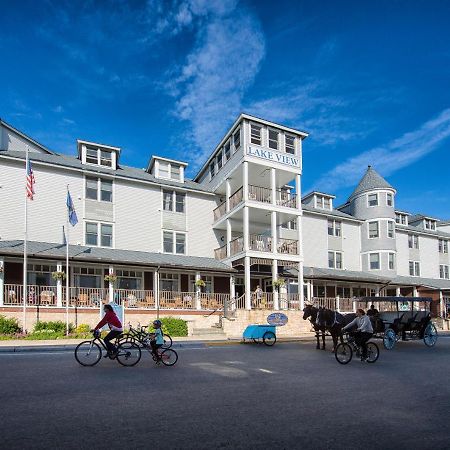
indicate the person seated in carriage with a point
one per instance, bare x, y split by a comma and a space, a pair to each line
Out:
372, 312
363, 333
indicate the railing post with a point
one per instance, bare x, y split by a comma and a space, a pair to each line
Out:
2, 281
59, 286
248, 294
111, 286
198, 302
337, 303
228, 249
156, 290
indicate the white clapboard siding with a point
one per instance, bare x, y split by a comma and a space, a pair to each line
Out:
315, 239
351, 245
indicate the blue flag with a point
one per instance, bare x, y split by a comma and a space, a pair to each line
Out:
73, 219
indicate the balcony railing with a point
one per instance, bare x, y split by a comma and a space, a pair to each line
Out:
260, 243
287, 246
259, 194
237, 245
236, 198
220, 211
221, 252
286, 199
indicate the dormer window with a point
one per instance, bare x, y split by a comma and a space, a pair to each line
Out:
401, 219
99, 157
323, 202
98, 154
430, 224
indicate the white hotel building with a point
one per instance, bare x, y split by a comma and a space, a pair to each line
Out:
241, 222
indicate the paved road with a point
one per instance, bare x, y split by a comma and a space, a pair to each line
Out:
241, 396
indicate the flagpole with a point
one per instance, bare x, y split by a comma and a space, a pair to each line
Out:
67, 270
25, 238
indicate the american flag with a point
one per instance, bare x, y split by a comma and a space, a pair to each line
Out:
30, 181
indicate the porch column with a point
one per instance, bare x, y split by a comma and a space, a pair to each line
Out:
246, 230
311, 290
156, 289
2, 281
227, 194
377, 291
273, 222
59, 286
111, 286
198, 302
415, 292
232, 287
300, 286
397, 292
441, 301
248, 294
276, 300
273, 185
245, 180
228, 238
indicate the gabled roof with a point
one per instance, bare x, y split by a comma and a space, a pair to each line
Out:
85, 254
370, 181
417, 217
324, 194
329, 213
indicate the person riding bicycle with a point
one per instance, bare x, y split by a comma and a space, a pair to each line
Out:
158, 339
115, 326
363, 333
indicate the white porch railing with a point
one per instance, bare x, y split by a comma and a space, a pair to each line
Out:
262, 301
177, 300
135, 298
36, 296
213, 301
85, 297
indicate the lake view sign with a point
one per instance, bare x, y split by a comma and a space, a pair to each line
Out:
270, 155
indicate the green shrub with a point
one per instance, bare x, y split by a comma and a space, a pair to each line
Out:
57, 326
45, 334
173, 326
83, 328
8, 326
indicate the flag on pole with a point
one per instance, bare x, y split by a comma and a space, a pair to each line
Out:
73, 219
30, 180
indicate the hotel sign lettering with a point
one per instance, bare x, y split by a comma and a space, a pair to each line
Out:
270, 155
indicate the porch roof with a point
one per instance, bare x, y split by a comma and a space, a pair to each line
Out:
80, 253
343, 275
432, 283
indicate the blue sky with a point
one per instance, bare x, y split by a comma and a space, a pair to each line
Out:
370, 82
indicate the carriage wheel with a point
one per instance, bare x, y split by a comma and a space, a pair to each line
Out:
430, 335
389, 339
343, 353
269, 338
373, 352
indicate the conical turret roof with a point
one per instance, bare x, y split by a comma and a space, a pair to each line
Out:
371, 180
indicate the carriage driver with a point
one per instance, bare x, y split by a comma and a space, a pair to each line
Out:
363, 332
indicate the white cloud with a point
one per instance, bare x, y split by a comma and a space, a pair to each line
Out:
395, 155
212, 82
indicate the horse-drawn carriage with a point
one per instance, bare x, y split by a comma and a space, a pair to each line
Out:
401, 318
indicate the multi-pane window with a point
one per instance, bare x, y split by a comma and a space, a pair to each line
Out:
163, 171
174, 242
273, 139
99, 189
92, 155
372, 199
373, 230
98, 157
99, 234
255, 134
389, 199
237, 139
212, 169
334, 228
327, 203
430, 224
323, 202
219, 160
169, 170
335, 260
443, 246
169, 282
400, 218
208, 279
174, 201
443, 271
290, 144
105, 158
175, 172
391, 261
414, 268
390, 229
226, 150
413, 241
374, 261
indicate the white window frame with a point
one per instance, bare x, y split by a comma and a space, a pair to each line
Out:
269, 140
391, 266
294, 148
235, 133
443, 271
334, 265
254, 136
368, 200
174, 241
99, 233
169, 171
390, 196
413, 239
334, 229
173, 201
212, 169
443, 246
99, 182
370, 262
99, 151
378, 229
391, 222
415, 265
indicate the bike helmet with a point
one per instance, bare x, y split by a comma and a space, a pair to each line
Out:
157, 323
96, 333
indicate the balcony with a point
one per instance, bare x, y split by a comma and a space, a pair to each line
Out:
257, 194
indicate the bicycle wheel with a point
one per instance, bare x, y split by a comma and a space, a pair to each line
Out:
373, 352
128, 354
389, 339
269, 338
430, 335
167, 341
343, 353
88, 353
169, 357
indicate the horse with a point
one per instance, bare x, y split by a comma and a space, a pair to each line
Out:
311, 312
333, 322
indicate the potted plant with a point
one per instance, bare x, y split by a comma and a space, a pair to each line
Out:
58, 275
200, 284
278, 283
110, 278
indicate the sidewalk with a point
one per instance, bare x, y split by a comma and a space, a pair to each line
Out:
21, 345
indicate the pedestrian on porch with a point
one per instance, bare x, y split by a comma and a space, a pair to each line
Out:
114, 325
258, 295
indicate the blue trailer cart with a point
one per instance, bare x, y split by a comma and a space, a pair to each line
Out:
261, 333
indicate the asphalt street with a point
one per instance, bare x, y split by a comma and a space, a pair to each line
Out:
235, 396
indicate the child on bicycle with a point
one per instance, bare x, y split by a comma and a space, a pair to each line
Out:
157, 340
363, 332
115, 326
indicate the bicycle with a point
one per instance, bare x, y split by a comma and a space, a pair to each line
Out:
344, 351
141, 336
168, 356
89, 353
